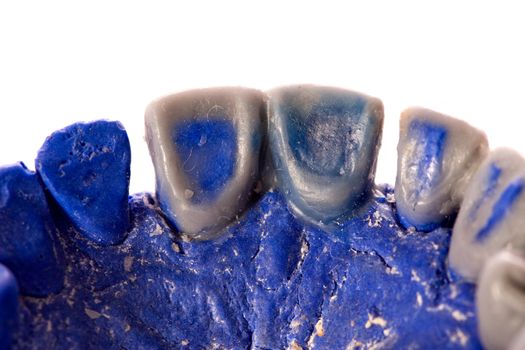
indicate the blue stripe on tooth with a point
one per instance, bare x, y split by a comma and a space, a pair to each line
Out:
86, 168
437, 155
28, 243
8, 307
501, 208
324, 143
496, 194
205, 147
490, 188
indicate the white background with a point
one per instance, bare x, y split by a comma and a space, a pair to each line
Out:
62, 62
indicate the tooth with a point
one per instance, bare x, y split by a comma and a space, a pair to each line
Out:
205, 147
85, 167
518, 342
324, 143
437, 156
500, 300
28, 244
491, 215
8, 306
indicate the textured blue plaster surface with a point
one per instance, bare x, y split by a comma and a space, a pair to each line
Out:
86, 168
271, 282
208, 152
27, 233
8, 306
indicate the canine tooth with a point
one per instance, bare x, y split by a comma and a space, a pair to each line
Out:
437, 156
205, 147
8, 306
500, 300
85, 167
28, 244
324, 143
491, 215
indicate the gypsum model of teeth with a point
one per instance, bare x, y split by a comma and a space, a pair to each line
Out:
268, 280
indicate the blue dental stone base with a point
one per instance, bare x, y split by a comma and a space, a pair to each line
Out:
28, 245
8, 306
270, 282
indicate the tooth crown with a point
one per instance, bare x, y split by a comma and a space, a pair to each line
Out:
8, 306
491, 215
437, 156
86, 168
500, 300
28, 245
205, 147
324, 143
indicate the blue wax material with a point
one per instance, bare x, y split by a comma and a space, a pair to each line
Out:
429, 145
501, 208
429, 150
8, 307
270, 282
28, 246
324, 143
490, 189
207, 149
86, 169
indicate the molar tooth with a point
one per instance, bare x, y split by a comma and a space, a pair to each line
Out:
437, 156
491, 215
324, 143
205, 147
500, 300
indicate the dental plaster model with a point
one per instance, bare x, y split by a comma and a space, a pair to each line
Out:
266, 231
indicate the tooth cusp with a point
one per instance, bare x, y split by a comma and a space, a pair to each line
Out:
490, 217
324, 143
205, 146
437, 155
8, 307
86, 168
28, 243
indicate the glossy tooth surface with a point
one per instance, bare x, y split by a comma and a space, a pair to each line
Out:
28, 246
500, 300
205, 146
86, 168
8, 306
491, 215
324, 143
437, 156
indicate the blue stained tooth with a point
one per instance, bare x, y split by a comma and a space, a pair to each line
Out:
8, 307
86, 168
324, 143
500, 302
491, 215
437, 156
28, 245
205, 146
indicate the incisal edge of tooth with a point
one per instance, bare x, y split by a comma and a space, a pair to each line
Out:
500, 301
324, 143
192, 210
491, 215
437, 156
